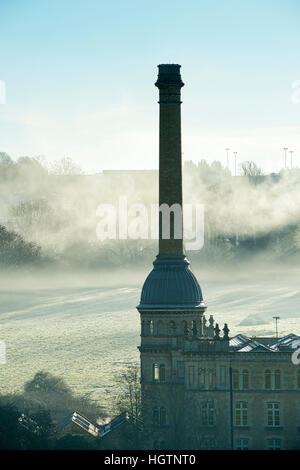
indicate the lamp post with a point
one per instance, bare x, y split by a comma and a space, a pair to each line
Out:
227, 150
235, 153
285, 150
276, 329
291, 154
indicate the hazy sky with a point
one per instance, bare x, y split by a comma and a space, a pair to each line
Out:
80, 79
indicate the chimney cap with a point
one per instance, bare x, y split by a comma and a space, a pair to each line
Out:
169, 74
169, 65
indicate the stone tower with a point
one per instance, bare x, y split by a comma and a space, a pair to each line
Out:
171, 306
201, 389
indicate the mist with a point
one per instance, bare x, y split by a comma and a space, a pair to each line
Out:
65, 294
53, 209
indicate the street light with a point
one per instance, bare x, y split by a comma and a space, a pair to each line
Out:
276, 329
227, 150
285, 150
235, 153
291, 153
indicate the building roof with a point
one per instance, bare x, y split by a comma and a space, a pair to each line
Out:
171, 284
242, 343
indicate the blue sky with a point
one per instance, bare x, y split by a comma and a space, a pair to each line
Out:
80, 79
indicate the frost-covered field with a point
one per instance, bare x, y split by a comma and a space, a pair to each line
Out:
85, 334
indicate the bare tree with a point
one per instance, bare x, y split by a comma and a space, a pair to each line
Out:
65, 166
128, 397
253, 172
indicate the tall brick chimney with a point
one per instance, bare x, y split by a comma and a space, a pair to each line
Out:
171, 284
170, 162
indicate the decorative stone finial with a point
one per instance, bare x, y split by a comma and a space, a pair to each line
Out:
226, 331
217, 331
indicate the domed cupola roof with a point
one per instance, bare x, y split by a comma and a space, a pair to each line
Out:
171, 284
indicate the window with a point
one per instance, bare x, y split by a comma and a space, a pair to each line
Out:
185, 327
241, 413
222, 375
272, 379
207, 413
273, 414
245, 379
159, 416
159, 372
201, 378
235, 379
277, 379
163, 416
242, 443
155, 372
159, 445
172, 328
206, 378
207, 442
268, 379
180, 369
160, 328
211, 378
240, 379
191, 375
155, 416
162, 373
151, 327
274, 444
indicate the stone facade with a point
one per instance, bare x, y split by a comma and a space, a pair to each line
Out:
206, 393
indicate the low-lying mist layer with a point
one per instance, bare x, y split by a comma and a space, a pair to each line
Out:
48, 213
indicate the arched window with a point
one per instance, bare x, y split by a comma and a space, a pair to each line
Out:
159, 372
206, 378
277, 379
272, 379
155, 416
151, 327
245, 379
185, 327
162, 373
172, 327
155, 372
159, 416
240, 379
211, 378
160, 328
235, 379
194, 327
201, 378
268, 379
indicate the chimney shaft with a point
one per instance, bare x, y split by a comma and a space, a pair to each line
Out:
171, 284
170, 165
